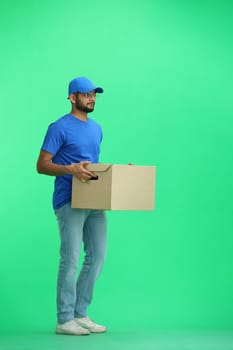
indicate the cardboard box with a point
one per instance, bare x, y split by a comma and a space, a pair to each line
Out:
118, 187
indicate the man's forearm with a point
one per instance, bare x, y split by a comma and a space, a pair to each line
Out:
49, 168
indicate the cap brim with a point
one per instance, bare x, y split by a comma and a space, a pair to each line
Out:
99, 90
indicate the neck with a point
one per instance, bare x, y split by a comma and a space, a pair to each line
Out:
79, 114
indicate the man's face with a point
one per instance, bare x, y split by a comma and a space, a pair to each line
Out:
85, 102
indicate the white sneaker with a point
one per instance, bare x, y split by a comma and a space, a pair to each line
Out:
93, 327
71, 327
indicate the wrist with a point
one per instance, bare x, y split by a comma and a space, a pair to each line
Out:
68, 169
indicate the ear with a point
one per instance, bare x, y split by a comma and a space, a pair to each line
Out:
72, 98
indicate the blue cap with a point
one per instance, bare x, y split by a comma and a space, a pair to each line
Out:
82, 84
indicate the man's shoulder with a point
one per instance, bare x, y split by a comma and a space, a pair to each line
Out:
67, 122
61, 122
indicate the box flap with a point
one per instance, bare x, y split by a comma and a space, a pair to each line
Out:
98, 167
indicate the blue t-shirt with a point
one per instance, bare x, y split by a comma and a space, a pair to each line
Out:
71, 140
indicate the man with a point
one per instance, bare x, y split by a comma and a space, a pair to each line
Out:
70, 144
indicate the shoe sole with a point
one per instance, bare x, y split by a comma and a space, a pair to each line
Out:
97, 332
69, 333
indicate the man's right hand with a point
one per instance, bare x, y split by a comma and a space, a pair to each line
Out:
79, 170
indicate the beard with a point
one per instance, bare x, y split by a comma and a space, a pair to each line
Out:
79, 105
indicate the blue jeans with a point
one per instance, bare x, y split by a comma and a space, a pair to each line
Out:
77, 225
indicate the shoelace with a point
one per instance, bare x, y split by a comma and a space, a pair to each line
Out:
73, 323
91, 323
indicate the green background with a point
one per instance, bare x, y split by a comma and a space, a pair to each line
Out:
166, 67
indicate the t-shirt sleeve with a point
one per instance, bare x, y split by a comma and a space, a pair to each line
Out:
53, 140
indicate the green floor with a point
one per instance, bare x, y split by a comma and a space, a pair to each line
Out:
117, 339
